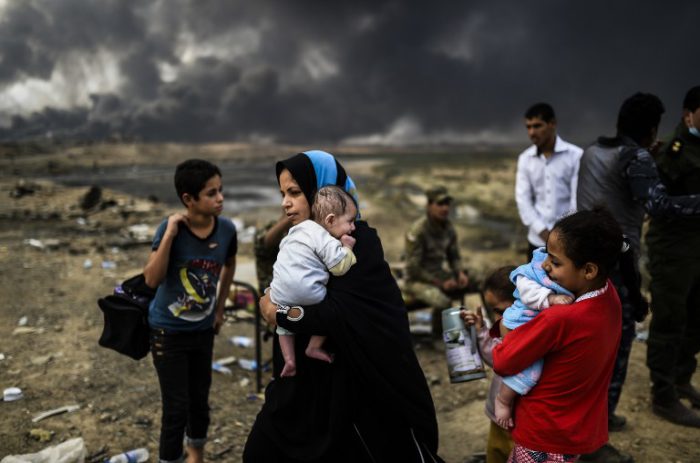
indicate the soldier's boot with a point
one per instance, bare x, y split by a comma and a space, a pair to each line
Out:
687, 391
675, 412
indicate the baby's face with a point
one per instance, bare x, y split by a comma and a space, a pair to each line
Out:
343, 224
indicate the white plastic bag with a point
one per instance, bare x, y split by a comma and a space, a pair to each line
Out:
70, 451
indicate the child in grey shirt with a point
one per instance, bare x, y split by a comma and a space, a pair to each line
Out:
307, 254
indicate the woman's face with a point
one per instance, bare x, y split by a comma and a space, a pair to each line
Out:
294, 202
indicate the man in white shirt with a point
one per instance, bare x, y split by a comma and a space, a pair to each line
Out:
547, 176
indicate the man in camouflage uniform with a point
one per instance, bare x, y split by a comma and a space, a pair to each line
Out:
620, 173
434, 273
674, 264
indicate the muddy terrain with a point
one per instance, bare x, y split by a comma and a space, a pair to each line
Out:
62, 247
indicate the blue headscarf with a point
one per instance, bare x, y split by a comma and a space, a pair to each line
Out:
315, 169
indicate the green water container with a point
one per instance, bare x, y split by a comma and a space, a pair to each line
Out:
461, 348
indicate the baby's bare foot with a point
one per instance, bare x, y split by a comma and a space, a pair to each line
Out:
319, 354
503, 413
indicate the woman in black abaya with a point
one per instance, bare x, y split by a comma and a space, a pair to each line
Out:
372, 404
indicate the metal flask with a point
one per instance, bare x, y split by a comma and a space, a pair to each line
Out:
461, 347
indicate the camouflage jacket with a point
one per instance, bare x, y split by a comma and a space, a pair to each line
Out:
431, 251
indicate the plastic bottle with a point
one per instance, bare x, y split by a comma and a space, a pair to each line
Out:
132, 456
216, 366
252, 365
246, 364
242, 341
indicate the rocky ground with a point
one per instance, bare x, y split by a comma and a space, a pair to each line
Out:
59, 252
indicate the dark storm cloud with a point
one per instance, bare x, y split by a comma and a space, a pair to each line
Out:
309, 71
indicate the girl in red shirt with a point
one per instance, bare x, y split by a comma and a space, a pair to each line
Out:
565, 414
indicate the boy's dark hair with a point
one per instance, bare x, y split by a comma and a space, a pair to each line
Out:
591, 236
330, 199
542, 110
498, 282
192, 175
639, 115
691, 102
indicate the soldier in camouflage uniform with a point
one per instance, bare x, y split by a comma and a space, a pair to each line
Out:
674, 264
620, 173
434, 273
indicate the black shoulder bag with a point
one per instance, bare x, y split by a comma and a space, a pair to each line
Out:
126, 318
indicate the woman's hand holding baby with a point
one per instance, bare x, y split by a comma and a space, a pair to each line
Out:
268, 309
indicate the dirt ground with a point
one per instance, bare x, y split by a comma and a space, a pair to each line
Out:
57, 258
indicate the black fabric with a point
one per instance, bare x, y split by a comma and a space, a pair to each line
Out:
341, 175
183, 363
126, 318
137, 290
633, 282
530, 249
375, 385
260, 448
302, 169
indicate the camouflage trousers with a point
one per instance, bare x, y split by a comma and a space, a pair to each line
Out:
432, 296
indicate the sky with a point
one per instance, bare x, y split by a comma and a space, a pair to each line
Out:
378, 72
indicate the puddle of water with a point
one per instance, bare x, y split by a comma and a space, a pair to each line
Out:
246, 186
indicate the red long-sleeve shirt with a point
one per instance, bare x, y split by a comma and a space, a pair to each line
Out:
566, 412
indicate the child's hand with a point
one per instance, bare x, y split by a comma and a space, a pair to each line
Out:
472, 318
174, 222
219, 320
348, 241
559, 299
